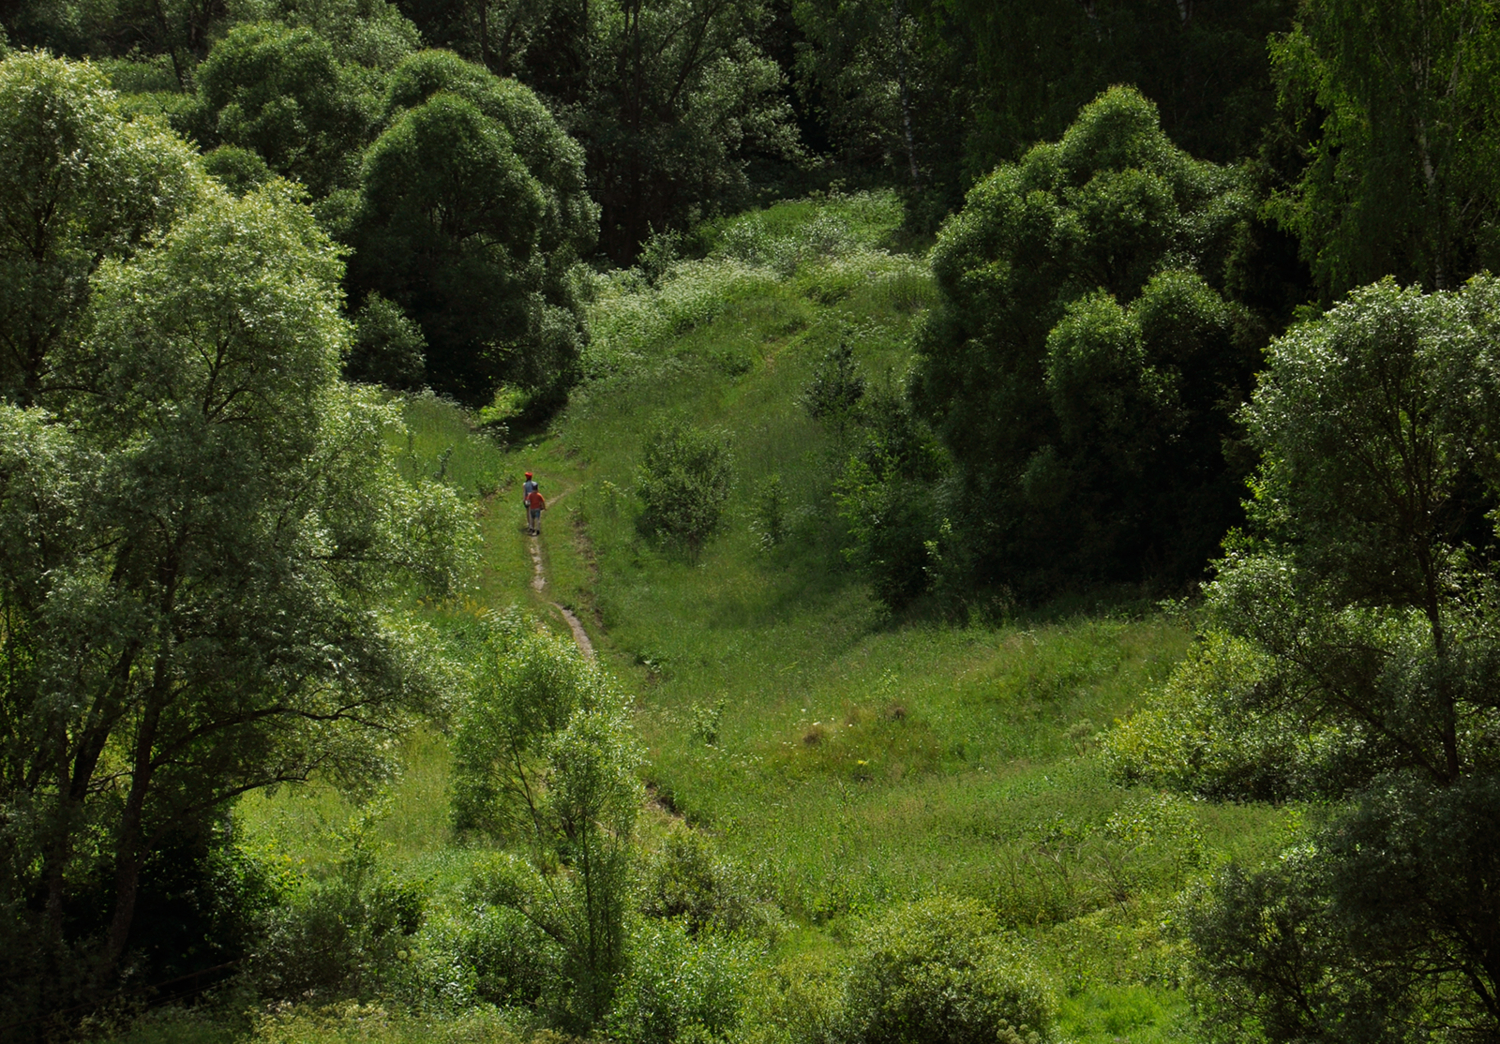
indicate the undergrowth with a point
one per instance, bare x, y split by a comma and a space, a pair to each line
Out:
831, 762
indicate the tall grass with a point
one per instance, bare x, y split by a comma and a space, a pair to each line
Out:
841, 760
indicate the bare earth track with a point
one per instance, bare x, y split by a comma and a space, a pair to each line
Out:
539, 584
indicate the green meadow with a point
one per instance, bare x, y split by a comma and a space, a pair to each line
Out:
840, 758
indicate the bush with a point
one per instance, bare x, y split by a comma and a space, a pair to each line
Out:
512, 961
343, 936
836, 388
938, 972
388, 347
1200, 733
890, 499
680, 986
684, 482
688, 878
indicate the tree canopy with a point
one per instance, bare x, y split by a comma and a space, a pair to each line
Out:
1349, 651
1083, 364
1398, 101
212, 529
79, 183
282, 93
472, 213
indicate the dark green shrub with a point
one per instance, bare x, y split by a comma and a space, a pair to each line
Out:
284, 94
890, 497
770, 519
388, 347
472, 213
837, 386
938, 971
684, 481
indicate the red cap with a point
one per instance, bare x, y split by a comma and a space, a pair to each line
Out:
528, 474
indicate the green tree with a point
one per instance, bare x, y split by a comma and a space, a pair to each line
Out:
545, 757
372, 34
1399, 101
211, 527
1357, 621
282, 93
888, 86
472, 216
672, 100
937, 93
1083, 364
78, 185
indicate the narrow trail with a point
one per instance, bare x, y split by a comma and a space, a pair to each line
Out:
539, 585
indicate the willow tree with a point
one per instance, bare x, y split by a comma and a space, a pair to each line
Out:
1351, 655
78, 184
204, 529
473, 214
1084, 362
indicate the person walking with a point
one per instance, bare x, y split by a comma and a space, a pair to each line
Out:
535, 505
529, 487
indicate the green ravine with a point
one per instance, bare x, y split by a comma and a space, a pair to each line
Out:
844, 760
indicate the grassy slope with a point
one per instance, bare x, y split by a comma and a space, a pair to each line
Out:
855, 760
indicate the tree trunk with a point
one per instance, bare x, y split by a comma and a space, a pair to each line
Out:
898, 17
128, 855
484, 35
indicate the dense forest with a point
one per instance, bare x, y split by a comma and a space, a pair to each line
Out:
1149, 346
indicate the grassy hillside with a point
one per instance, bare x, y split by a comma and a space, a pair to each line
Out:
839, 759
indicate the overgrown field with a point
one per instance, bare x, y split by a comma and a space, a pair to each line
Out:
829, 761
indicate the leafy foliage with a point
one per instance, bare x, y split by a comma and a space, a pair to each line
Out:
284, 95
689, 879
545, 756
388, 347
939, 970
684, 480
78, 184
890, 497
681, 986
340, 936
836, 388
213, 525
1400, 175
1082, 367
935, 94
1351, 650
472, 215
